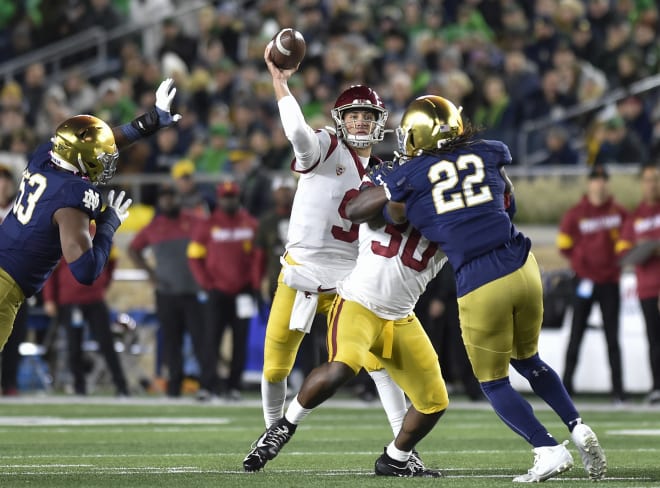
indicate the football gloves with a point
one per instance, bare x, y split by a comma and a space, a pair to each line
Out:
164, 96
159, 116
116, 211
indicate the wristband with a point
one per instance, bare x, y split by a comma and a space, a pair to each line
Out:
148, 123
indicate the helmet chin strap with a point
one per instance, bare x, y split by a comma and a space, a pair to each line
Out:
64, 164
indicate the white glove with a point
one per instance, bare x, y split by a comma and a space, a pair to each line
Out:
118, 205
164, 96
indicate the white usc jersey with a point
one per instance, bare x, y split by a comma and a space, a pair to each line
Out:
319, 233
393, 267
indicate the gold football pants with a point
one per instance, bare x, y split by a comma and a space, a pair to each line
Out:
355, 334
502, 320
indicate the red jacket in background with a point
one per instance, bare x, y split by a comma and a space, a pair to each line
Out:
221, 252
168, 237
643, 225
588, 235
63, 289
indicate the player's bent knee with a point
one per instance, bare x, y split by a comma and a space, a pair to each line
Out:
275, 375
433, 400
434, 407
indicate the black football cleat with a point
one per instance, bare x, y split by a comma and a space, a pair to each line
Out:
268, 445
413, 468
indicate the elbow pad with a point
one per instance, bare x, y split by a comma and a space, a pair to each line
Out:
88, 267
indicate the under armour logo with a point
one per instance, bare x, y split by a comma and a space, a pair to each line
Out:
91, 199
537, 373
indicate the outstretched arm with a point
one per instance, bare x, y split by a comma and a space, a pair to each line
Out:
305, 144
149, 123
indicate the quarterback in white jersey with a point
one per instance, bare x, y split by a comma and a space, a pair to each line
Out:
320, 237
322, 243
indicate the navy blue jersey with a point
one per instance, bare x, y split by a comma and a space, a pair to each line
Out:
29, 239
456, 199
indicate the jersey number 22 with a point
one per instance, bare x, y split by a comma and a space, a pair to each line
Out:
443, 175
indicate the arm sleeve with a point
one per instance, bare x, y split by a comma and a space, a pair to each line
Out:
306, 147
89, 266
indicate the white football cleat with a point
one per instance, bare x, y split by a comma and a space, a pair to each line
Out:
593, 456
549, 461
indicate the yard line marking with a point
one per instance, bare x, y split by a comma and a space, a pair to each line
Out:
47, 465
455, 472
647, 432
57, 421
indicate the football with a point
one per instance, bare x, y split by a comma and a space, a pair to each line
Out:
288, 48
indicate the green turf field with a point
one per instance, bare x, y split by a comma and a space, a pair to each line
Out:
103, 442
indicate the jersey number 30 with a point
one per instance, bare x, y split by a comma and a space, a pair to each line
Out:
28, 197
443, 175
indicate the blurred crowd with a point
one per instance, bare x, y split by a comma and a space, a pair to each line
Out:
506, 62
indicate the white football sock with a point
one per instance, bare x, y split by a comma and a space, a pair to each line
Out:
392, 398
273, 396
397, 454
296, 412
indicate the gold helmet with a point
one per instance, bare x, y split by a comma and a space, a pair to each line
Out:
428, 122
85, 145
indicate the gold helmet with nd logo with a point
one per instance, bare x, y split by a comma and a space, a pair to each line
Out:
428, 123
85, 145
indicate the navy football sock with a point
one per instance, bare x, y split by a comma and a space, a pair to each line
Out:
546, 384
516, 412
